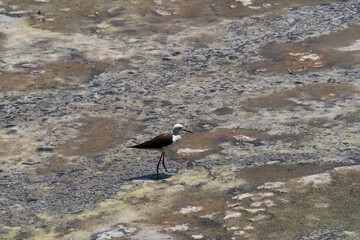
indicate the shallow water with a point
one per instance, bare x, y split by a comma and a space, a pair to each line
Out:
269, 88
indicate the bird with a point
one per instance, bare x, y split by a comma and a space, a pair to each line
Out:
162, 142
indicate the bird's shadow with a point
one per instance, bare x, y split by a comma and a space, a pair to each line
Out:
162, 176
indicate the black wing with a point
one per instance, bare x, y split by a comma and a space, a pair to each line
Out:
158, 142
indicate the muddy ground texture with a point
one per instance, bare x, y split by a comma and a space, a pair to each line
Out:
269, 88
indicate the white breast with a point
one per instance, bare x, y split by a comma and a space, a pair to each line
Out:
176, 138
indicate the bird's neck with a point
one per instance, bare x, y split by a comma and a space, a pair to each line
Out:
176, 137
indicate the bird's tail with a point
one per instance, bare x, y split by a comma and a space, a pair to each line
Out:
135, 146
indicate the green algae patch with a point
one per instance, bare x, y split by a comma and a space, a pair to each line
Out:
143, 203
265, 202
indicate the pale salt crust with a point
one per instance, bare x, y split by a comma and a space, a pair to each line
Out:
321, 205
241, 232
258, 218
316, 179
197, 236
210, 216
37, 72
190, 209
64, 9
251, 210
162, 13
249, 227
354, 167
244, 138
231, 214
110, 234
353, 47
242, 196
270, 185
120, 232
265, 194
267, 203
313, 57
306, 56
232, 228
17, 12
180, 228
245, 2
190, 150
233, 205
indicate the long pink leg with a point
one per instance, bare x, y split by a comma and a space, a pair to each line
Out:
163, 162
157, 167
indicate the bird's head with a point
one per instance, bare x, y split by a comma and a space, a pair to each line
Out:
178, 128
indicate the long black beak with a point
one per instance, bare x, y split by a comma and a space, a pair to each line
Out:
187, 131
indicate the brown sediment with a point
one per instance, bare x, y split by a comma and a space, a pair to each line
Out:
313, 211
56, 74
311, 55
61, 74
209, 142
295, 207
70, 16
97, 134
54, 164
201, 41
2, 39
316, 92
282, 172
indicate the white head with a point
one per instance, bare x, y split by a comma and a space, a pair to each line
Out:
177, 132
177, 129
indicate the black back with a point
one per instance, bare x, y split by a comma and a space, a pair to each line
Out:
158, 142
